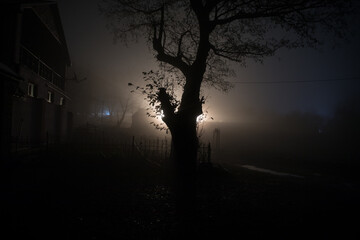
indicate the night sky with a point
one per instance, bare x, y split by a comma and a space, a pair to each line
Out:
111, 66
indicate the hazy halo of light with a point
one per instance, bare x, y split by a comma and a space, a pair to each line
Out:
160, 115
201, 118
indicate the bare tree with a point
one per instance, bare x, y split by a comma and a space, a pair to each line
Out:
195, 39
124, 110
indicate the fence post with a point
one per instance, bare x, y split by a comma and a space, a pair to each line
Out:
47, 140
102, 137
209, 153
166, 148
157, 148
132, 146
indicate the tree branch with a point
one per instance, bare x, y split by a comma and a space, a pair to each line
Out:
131, 5
243, 51
272, 10
158, 46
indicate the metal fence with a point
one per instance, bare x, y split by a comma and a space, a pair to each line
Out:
93, 139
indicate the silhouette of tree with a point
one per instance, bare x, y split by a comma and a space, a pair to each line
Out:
195, 40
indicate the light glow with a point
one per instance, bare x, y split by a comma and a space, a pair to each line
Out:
106, 113
160, 115
200, 118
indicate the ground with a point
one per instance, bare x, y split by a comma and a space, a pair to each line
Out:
96, 193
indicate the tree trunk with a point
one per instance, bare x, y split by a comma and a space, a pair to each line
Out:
185, 144
182, 125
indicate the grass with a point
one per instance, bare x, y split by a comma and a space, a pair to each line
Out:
70, 193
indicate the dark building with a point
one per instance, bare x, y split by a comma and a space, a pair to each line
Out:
33, 62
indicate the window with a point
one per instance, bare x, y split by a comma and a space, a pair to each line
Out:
62, 101
31, 89
50, 97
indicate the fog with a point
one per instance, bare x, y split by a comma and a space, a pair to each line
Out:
292, 141
111, 65
280, 113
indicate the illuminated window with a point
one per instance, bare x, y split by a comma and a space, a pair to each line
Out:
31, 90
50, 97
62, 101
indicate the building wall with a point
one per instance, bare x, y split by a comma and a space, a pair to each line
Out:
35, 121
26, 120
7, 89
38, 39
8, 30
32, 120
